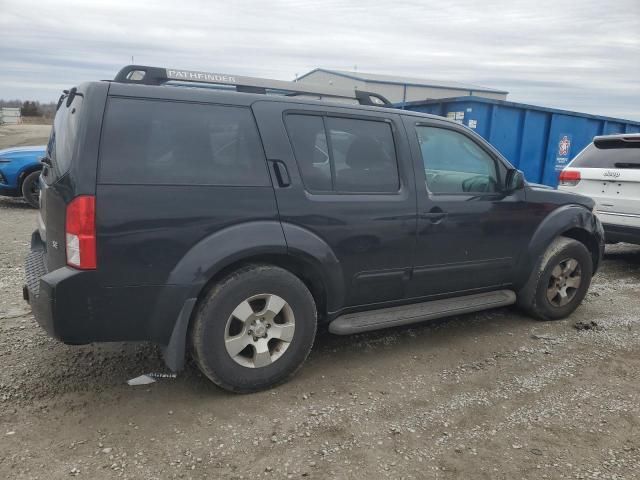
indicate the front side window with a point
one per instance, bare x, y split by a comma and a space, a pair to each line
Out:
160, 142
453, 163
338, 154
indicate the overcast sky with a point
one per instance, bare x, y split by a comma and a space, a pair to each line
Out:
579, 55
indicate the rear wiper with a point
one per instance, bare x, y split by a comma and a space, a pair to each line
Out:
69, 95
627, 165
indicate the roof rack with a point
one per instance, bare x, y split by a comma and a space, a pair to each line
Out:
142, 75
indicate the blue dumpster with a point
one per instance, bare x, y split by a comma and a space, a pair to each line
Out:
539, 141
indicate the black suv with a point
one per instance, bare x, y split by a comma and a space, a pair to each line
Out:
230, 223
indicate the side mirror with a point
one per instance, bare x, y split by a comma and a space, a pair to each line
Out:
514, 180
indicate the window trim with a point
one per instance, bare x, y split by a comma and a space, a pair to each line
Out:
496, 160
332, 163
324, 114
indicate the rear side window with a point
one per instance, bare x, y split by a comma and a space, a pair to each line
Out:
310, 148
608, 156
62, 140
349, 155
175, 143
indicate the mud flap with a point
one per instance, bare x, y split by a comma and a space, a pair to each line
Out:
174, 353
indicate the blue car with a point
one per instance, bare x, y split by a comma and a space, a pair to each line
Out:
20, 171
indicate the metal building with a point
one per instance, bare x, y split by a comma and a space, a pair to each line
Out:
10, 115
398, 89
540, 141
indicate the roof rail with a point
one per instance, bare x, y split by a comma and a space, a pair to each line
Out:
142, 75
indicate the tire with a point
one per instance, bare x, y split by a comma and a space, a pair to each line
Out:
31, 189
537, 296
218, 332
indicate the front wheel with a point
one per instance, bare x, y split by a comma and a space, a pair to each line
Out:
560, 281
31, 189
254, 329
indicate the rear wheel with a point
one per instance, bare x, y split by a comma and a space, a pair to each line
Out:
254, 329
560, 281
31, 189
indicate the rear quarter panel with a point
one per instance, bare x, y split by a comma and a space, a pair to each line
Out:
145, 231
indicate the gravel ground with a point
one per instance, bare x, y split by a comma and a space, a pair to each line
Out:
491, 395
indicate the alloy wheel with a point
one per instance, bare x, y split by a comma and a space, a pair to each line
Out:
564, 282
259, 330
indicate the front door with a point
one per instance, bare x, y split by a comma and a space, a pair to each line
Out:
470, 232
350, 185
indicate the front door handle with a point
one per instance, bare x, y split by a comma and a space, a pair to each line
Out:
435, 215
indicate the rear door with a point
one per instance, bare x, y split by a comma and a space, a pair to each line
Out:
71, 154
610, 174
349, 182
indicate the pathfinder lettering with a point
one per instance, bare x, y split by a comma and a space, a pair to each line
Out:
200, 76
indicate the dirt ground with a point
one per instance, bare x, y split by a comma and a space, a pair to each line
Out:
23, 135
493, 395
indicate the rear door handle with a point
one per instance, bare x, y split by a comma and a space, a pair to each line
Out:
281, 173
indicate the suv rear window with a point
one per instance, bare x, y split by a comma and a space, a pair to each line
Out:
177, 143
604, 156
63, 137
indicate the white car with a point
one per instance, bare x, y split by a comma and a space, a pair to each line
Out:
608, 170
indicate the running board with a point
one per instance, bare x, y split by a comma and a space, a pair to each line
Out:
406, 314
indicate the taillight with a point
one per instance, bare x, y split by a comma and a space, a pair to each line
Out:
569, 177
80, 232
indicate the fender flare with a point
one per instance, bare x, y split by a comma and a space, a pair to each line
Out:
236, 243
305, 244
205, 259
225, 247
560, 221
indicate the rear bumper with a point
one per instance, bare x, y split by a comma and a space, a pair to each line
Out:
73, 307
621, 233
61, 299
50, 300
